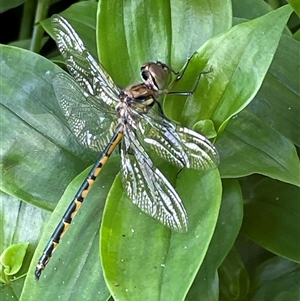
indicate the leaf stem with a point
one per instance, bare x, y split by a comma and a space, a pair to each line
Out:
38, 31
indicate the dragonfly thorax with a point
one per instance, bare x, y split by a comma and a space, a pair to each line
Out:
137, 97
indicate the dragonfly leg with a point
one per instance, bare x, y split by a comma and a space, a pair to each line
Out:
179, 75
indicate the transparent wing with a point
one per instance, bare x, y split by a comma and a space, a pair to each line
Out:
148, 188
179, 145
89, 74
93, 128
201, 153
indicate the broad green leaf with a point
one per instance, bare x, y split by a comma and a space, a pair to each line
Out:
74, 270
238, 61
206, 283
39, 155
277, 102
208, 19
275, 206
277, 279
243, 9
276, 105
20, 222
142, 259
250, 146
234, 278
141, 34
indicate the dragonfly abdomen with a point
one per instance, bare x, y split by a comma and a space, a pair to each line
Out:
77, 202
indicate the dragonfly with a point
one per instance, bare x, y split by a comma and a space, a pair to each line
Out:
101, 115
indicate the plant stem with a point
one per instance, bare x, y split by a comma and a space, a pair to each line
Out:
38, 31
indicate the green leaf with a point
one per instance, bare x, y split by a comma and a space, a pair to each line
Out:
206, 283
11, 260
20, 222
142, 259
9, 4
277, 102
77, 256
275, 206
249, 146
134, 35
277, 279
296, 35
242, 9
31, 170
207, 127
207, 19
248, 50
295, 5
234, 278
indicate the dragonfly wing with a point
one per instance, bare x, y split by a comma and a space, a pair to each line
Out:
201, 152
88, 73
163, 140
181, 146
148, 188
91, 127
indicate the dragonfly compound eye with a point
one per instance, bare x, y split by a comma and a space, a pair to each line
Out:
155, 76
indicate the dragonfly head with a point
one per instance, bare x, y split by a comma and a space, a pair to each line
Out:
155, 75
